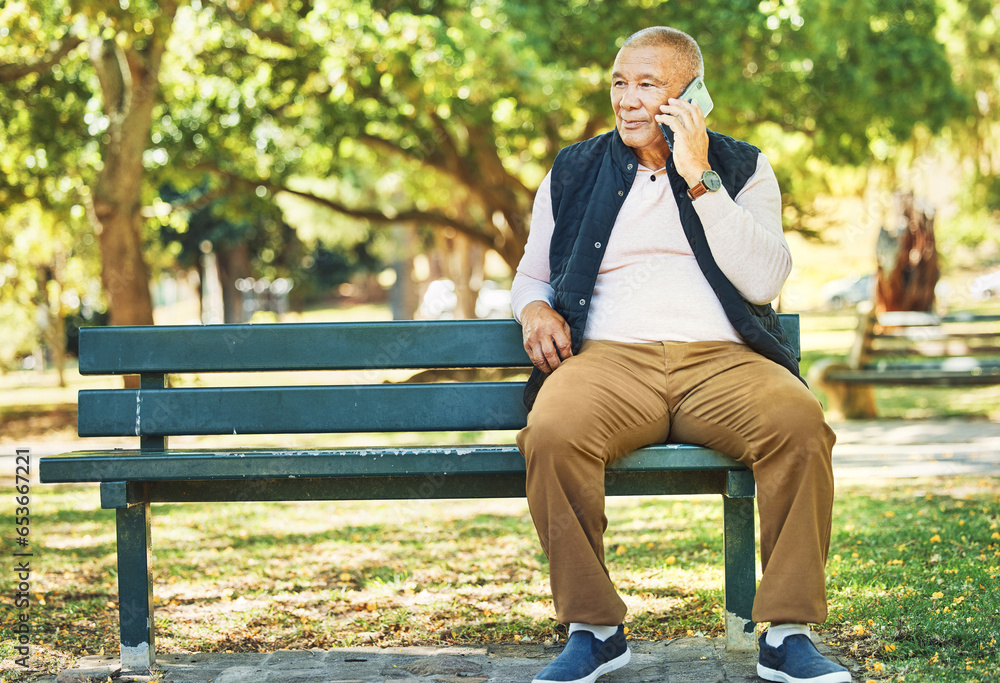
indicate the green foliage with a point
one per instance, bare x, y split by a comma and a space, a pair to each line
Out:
47, 122
446, 114
452, 114
49, 118
47, 270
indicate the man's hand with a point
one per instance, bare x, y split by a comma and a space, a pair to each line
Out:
546, 336
690, 138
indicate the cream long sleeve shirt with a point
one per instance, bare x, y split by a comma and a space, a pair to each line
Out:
650, 287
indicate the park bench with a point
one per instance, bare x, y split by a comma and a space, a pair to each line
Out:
131, 479
909, 348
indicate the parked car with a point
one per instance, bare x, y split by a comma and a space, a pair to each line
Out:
848, 291
985, 286
440, 300
493, 301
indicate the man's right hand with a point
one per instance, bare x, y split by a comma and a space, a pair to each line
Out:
546, 336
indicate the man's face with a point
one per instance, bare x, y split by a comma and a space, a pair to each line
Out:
642, 79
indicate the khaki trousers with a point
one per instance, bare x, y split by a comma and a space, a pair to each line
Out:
612, 398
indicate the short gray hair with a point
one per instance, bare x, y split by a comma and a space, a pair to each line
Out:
686, 47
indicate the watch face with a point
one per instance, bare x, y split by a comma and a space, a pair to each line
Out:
712, 181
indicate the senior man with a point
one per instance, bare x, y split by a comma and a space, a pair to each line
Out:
643, 295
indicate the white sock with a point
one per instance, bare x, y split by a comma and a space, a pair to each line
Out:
776, 634
602, 633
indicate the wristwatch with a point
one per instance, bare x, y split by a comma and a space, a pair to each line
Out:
710, 182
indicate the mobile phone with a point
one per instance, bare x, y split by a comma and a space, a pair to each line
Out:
695, 92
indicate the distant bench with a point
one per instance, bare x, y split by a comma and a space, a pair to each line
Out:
132, 479
910, 348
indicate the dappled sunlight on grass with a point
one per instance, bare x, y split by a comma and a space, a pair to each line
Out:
912, 575
913, 580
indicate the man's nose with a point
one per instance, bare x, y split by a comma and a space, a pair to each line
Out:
630, 98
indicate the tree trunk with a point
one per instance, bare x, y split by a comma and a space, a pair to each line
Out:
471, 260
907, 261
233, 263
57, 343
404, 296
129, 79
50, 304
462, 260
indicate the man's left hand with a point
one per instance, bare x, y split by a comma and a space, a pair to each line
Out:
690, 138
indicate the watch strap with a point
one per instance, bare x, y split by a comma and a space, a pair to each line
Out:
697, 191
701, 188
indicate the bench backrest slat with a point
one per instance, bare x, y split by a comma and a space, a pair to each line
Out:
311, 346
303, 346
302, 410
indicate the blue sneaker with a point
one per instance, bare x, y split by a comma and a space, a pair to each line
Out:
798, 661
585, 658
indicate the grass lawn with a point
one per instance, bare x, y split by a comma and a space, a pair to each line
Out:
913, 576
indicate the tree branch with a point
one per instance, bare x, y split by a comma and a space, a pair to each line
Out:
372, 215
166, 208
432, 160
107, 65
452, 153
452, 163
481, 140
13, 72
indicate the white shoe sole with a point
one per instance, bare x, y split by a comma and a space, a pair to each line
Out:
772, 675
616, 663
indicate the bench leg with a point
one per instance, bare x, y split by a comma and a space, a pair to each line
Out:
741, 575
135, 587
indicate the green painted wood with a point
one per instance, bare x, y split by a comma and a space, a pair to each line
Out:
135, 587
115, 494
301, 346
967, 317
889, 375
155, 442
740, 484
952, 364
445, 461
790, 323
302, 410
312, 346
431, 487
741, 578
152, 412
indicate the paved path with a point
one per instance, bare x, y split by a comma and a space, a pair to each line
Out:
681, 660
882, 450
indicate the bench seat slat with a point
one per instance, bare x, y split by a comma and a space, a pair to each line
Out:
302, 410
439, 461
918, 377
301, 346
953, 364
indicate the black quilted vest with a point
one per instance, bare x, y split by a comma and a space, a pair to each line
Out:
589, 182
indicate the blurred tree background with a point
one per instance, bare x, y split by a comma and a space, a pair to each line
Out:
344, 144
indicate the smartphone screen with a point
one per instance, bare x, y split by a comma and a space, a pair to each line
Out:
695, 92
